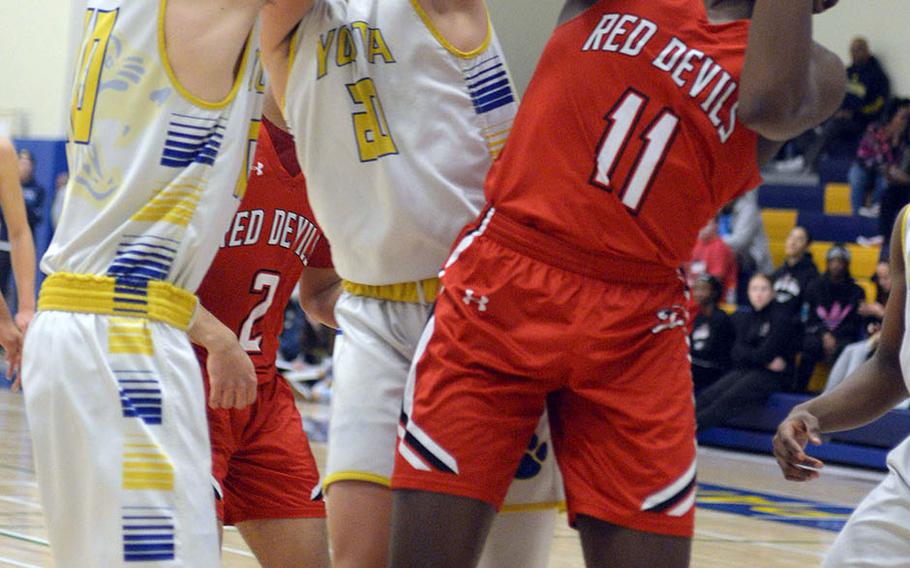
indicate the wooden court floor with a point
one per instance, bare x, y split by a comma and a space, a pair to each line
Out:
748, 514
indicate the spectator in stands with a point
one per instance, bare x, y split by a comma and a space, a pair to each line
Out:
742, 229
895, 196
712, 334
868, 90
874, 312
880, 149
797, 271
857, 353
713, 256
833, 319
762, 357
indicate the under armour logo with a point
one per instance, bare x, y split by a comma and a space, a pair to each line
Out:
481, 301
258, 168
670, 318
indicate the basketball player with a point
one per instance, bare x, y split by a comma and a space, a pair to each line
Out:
642, 119
268, 480
398, 108
162, 122
22, 250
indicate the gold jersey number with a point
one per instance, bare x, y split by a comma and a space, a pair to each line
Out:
99, 25
374, 139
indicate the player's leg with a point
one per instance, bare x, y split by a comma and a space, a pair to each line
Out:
371, 359
522, 532
287, 543
272, 491
878, 532
477, 393
520, 539
604, 543
118, 420
359, 513
454, 529
624, 431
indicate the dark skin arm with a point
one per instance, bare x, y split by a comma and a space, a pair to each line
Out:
783, 93
867, 394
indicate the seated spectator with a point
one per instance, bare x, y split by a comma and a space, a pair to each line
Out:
712, 334
796, 272
895, 196
762, 358
868, 90
713, 256
874, 312
833, 319
741, 227
881, 148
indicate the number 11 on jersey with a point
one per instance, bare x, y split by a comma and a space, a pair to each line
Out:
657, 138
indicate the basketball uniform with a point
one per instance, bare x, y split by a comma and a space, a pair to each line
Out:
877, 533
396, 129
261, 456
565, 292
116, 408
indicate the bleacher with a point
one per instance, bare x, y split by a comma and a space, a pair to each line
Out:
825, 210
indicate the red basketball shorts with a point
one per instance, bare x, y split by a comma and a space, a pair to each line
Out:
262, 461
601, 344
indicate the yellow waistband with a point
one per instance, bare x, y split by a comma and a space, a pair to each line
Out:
423, 292
93, 294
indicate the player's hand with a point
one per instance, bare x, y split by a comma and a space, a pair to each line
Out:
11, 340
24, 319
232, 376
797, 430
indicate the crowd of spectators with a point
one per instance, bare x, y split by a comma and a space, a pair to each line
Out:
794, 319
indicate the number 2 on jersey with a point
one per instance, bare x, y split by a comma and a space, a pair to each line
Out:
266, 282
656, 140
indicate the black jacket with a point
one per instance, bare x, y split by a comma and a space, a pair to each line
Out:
762, 336
868, 90
835, 308
791, 282
712, 340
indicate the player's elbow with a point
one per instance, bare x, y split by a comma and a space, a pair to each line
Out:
774, 114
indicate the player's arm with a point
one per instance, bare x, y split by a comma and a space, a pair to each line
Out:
232, 375
868, 393
279, 21
22, 245
789, 83
464, 23
319, 290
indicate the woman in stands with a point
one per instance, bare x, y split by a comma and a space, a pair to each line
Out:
762, 358
880, 149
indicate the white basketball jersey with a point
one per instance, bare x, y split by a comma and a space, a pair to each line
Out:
155, 173
905, 342
395, 131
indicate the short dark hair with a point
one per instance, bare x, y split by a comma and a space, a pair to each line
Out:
717, 289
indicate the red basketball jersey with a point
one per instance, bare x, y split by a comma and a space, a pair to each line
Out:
272, 237
626, 142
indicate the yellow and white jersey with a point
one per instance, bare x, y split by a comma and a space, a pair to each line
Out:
395, 131
152, 168
905, 342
